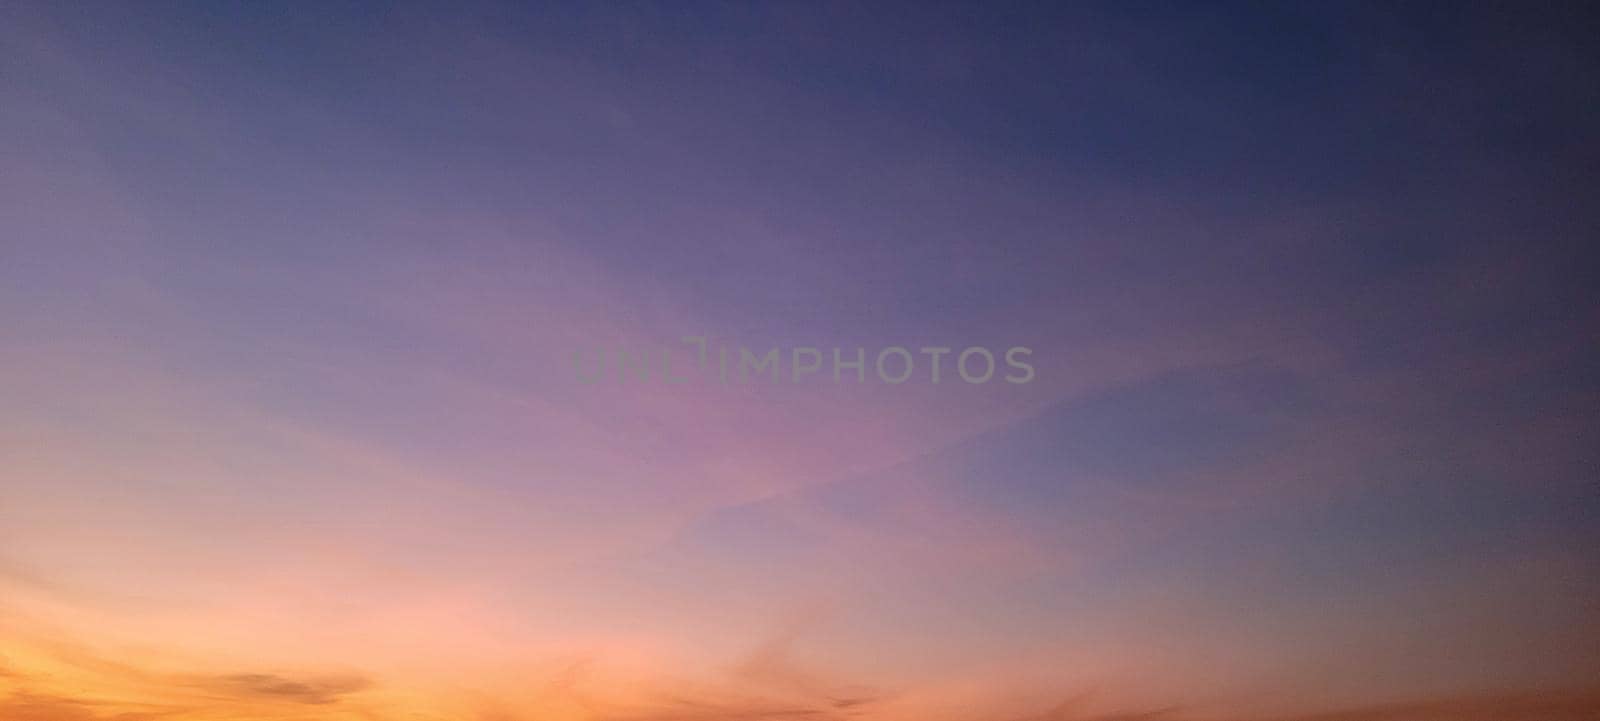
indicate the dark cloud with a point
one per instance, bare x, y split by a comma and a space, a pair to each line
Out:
24, 706
1526, 705
320, 690
71, 690
687, 710
1582, 705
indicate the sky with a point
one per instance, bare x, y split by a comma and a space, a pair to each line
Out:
296, 422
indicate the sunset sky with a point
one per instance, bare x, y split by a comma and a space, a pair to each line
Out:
291, 425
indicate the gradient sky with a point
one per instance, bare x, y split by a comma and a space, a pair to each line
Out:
289, 429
